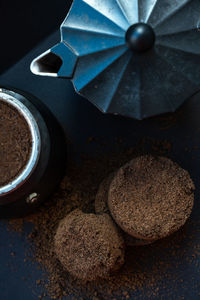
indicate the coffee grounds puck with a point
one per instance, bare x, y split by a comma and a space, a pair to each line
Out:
101, 206
151, 197
89, 246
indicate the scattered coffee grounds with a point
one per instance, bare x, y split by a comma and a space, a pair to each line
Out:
151, 197
15, 143
101, 206
89, 246
147, 274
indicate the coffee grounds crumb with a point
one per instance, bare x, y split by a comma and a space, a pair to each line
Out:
15, 225
15, 143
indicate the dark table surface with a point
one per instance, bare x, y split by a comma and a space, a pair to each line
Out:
80, 120
24, 23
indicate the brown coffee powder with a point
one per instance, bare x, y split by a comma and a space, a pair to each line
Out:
15, 143
147, 274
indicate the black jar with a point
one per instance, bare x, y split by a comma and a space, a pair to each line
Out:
46, 164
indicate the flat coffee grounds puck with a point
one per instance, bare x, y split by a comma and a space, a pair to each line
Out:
151, 198
89, 246
101, 206
15, 143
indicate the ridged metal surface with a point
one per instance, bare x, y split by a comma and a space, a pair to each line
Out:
120, 81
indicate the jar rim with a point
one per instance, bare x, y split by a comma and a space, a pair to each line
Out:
12, 99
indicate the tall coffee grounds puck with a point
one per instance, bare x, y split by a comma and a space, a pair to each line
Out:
151, 198
32, 153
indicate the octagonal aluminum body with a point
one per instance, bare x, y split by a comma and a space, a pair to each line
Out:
93, 53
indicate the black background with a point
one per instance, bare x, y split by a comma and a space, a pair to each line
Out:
23, 24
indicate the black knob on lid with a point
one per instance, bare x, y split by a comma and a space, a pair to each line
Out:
140, 37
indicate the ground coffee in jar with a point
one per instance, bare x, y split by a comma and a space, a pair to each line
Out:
15, 143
